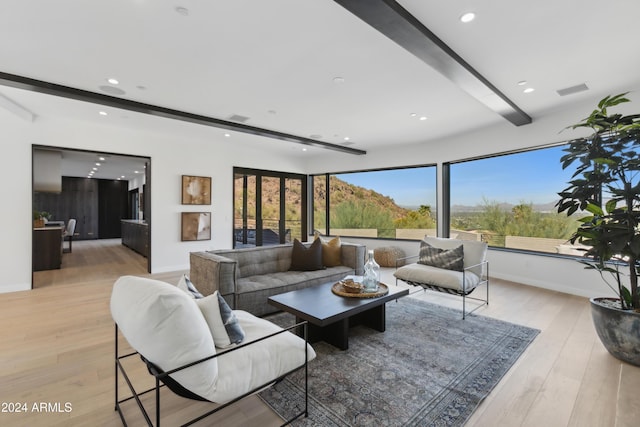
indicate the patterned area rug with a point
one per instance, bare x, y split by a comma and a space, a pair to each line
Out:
430, 368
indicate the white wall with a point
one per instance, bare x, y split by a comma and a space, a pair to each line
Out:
171, 157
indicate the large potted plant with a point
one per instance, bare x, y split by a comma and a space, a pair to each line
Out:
606, 188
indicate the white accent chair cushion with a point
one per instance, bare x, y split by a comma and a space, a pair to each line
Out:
257, 363
420, 273
164, 324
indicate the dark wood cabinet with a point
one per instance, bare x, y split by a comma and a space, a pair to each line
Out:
135, 235
47, 248
97, 205
112, 207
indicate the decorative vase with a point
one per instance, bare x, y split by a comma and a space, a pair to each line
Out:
371, 276
38, 223
618, 330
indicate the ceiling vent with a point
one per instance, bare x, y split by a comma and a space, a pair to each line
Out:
573, 89
238, 118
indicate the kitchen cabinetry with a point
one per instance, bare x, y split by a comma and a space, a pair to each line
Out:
135, 235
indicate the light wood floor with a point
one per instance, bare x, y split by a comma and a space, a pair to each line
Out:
57, 347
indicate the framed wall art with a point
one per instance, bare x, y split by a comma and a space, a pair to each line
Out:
196, 190
196, 226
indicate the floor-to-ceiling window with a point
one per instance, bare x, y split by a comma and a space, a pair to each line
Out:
269, 207
397, 203
509, 201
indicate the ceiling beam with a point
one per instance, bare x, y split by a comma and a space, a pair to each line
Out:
40, 86
395, 22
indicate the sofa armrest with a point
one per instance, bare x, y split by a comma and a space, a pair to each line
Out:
353, 256
211, 272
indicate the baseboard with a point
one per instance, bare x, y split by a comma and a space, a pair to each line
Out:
170, 269
544, 285
15, 288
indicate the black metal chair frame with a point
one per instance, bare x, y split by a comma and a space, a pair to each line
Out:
464, 293
163, 378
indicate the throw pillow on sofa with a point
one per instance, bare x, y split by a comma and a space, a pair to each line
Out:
331, 251
306, 259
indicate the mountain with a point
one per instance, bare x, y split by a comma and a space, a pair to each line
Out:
341, 192
344, 192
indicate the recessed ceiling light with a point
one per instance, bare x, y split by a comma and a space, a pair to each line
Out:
304, 149
136, 171
111, 90
423, 118
98, 164
528, 90
522, 82
346, 138
103, 113
338, 80
413, 114
102, 159
122, 176
113, 81
468, 17
140, 87
227, 135
182, 10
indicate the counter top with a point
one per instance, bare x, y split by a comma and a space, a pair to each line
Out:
134, 221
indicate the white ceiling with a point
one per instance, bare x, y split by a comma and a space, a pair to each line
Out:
276, 61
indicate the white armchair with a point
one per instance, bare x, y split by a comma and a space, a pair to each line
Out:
471, 272
167, 328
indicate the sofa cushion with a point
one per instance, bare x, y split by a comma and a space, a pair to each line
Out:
306, 259
140, 307
450, 259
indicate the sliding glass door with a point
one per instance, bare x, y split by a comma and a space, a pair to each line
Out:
269, 207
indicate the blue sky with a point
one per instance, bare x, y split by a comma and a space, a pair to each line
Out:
408, 187
529, 177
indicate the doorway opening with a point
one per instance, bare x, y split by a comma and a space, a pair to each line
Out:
90, 206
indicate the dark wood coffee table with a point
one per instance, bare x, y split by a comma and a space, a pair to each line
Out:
330, 315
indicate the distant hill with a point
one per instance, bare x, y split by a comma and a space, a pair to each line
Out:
537, 207
344, 192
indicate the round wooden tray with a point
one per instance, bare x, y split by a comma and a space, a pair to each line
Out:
338, 289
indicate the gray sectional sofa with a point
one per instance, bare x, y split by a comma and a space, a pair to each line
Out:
247, 277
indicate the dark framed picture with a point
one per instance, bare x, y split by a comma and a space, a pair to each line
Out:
196, 226
196, 190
